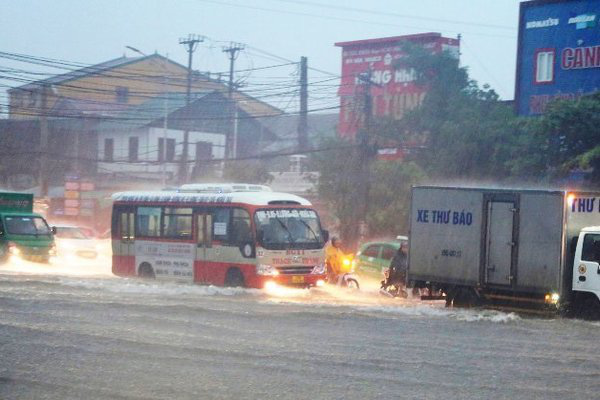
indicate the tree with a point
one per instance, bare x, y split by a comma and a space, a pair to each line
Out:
389, 199
568, 135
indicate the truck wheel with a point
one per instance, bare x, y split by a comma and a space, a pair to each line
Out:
234, 278
146, 271
466, 297
589, 307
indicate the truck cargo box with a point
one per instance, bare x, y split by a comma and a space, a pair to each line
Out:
513, 240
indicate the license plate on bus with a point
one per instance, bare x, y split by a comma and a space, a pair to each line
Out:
297, 279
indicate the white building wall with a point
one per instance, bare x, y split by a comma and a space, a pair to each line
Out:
147, 164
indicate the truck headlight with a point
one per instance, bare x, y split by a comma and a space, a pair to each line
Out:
319, 269
13, 249
265, 269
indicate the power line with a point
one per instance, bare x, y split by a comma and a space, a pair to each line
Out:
344, 19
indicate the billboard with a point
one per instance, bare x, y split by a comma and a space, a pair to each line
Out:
558, 54
394, 90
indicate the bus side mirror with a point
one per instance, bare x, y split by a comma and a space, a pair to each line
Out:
53, 229
325, 235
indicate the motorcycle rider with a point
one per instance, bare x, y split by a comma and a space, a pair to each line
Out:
396, 275
334, 258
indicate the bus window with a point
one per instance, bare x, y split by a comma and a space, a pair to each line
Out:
221, 218
241, 232
148, 221
177, 223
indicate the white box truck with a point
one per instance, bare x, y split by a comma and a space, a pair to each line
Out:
502, 247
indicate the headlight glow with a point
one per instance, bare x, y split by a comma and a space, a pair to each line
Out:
13, 249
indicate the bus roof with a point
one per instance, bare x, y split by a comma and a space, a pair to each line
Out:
252, 198
223, 187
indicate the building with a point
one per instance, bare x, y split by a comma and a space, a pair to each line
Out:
105, 130
394, 90
137, 143
112, 86
558, 55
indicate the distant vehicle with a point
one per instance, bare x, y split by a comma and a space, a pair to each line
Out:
505, 247
72, 240
222, 234
373, 258
23, 233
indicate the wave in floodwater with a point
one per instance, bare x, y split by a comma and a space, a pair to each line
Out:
96, 275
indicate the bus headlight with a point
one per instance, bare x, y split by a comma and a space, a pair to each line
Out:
319, 269
265, 269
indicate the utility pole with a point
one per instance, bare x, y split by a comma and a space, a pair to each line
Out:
303, 144
190, 43
43, 172
230, 137
364, 152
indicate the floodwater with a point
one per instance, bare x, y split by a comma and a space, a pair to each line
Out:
76, 332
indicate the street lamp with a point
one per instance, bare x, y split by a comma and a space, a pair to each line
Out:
165, 115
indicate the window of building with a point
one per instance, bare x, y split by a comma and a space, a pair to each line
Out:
170, 150
203, 151
133, 148
161, 149
109, 149
122, 94
544, 66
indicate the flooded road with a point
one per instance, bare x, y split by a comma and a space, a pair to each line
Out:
71, 333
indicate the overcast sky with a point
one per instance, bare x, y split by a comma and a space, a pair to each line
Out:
95, 31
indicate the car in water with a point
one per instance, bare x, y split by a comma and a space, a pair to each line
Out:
373, 258
72, 241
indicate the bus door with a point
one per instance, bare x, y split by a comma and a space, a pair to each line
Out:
124, 243
203, 220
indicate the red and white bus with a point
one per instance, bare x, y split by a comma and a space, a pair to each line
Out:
233, 235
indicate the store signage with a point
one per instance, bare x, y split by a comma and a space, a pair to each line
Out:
580, 57
583, 21
542, 24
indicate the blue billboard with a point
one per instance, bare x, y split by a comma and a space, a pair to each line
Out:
558, 54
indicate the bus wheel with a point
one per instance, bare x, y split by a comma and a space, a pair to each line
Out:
146, 271
234, 278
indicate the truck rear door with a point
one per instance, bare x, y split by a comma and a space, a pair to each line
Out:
499, 242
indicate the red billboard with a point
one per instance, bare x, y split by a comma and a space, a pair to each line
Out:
394, 90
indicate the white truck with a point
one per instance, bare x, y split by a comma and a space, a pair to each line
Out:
534, 249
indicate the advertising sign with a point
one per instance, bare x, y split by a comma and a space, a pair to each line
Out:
168, 260
558, 56
394, 88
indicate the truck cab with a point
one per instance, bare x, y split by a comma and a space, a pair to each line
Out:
23, 233
586, 265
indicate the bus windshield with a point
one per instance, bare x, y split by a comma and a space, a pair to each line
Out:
280, 229
24, 225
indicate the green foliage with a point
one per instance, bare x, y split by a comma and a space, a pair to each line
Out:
389, 199
340, 187
569, 136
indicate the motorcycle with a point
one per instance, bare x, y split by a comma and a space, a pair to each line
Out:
346, 278
394, 284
